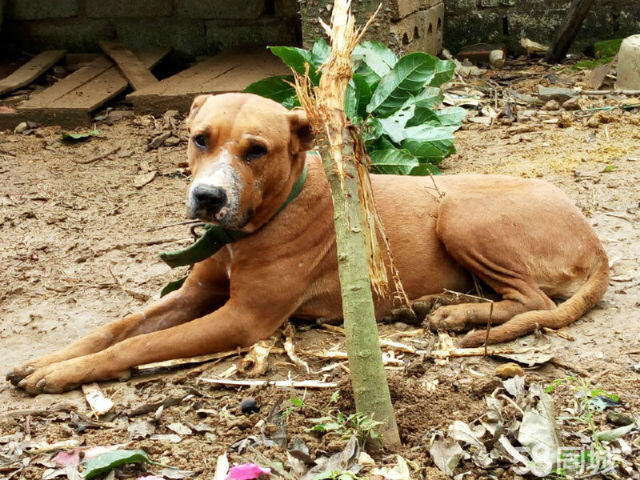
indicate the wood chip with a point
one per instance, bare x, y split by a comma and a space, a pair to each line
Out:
98, 403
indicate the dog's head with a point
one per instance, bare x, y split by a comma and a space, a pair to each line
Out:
245, 154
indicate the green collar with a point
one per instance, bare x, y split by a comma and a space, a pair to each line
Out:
215, 237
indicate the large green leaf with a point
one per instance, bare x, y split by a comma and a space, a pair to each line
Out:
394, 125
363, 92
319, 52
393, 161
424, 116
452, 116
276, 88
429, 97
425, 169
443, 72
110, 460
296, 58
373, 57
429, 144
408, 77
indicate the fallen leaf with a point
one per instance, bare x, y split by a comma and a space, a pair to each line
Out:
247, 471
222, 467
399, 472
110, 460
142, 179
180, 428
609, 435
446, 454
141, 429
98, 403
65, 459
79, 137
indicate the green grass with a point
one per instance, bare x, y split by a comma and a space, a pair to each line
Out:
604, 53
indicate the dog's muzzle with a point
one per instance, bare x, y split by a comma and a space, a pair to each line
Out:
208, 201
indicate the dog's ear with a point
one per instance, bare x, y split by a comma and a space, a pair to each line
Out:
195, 106
301, 131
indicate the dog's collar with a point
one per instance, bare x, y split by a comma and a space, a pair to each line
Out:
214, 238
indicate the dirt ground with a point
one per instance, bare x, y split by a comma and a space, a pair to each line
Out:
79, 242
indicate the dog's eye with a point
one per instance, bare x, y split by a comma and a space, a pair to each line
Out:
255, 151
200, 141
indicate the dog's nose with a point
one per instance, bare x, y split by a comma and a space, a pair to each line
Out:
209, 198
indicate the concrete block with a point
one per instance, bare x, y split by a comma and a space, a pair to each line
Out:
477, 27
185, 36
128, 8
267, 31
459, 7
72, 35
419, 32
399, 9
220, 9
40, 9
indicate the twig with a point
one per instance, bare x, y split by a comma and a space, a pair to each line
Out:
559, 363
38, 412
486, 337
189, 361
275, 383
175, 224
143, 243
607, 92
551, 331
515, 405
99, 157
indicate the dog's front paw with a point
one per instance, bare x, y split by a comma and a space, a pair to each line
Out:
67, 375
450, 318
16, 375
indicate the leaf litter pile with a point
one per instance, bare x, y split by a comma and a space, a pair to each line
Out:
456, 416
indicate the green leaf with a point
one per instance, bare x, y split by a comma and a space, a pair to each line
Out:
363, 93
297, 402
408, 77
443, 72
110, 460
451, 116
351, 102
425, 169
609, 435
171, 286
335, 396
296, 58
393, 161
429, 97
610, 168
373, 60
394, 125
276, 88
429, 144
79, 137
319, 52
424, 116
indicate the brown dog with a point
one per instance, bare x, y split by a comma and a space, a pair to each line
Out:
523, 238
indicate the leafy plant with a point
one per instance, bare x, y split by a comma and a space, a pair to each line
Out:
337, 475
358, 424
393, 100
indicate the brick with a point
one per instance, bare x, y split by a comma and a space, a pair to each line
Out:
185, 36
268, 31
419, 32
128, 8
40, 9
220, 9
73, 35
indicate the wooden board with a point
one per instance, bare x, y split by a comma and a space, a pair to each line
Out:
71, 101
131, 67
231, 71
31, 70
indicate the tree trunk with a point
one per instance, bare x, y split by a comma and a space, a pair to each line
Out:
564, 37
368, 377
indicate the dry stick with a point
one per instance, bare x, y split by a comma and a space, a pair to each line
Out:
486, 337
99, 157
275, 383
607, 92
175, 224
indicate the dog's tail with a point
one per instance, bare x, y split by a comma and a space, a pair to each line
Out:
587, 296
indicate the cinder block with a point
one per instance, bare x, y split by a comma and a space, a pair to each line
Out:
268, 31
401, 8
185, 36
419, 32
220, 9
72, 35
41, 9
128, 8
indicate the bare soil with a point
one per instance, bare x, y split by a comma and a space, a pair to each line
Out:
79, 244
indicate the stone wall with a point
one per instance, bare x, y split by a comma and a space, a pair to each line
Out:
474, 21
191, 27
204, 27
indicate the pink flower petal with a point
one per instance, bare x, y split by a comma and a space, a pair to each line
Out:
248, 471
68, 459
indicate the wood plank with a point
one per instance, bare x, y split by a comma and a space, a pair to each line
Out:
132, 68
70, 107
31, 70
68, 83
231, 71
567, 33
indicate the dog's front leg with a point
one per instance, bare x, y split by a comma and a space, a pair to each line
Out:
229, 327
194, 299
